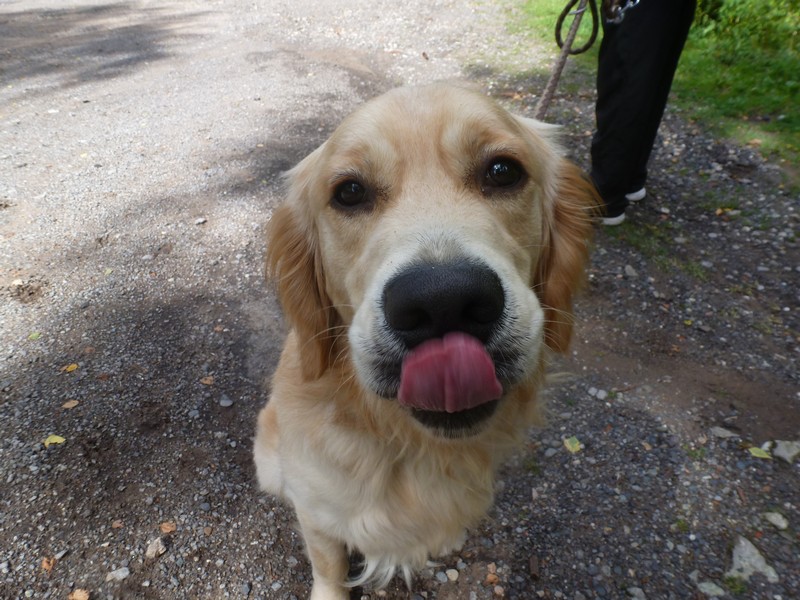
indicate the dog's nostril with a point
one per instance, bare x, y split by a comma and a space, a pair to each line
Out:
408, 320
428, 301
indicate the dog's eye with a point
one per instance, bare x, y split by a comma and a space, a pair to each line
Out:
502, 173
350, 194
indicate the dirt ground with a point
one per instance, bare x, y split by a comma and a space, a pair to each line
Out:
141, 147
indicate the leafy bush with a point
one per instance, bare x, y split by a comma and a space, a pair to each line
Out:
744, 26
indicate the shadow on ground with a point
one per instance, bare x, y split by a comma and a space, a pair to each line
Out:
93, 43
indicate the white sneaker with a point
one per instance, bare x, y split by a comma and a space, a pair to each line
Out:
637, 195
611, 221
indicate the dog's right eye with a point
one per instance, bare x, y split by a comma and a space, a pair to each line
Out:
350, 194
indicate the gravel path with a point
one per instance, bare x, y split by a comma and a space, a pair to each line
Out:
141, 146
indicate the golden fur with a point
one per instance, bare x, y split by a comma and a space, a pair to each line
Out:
361, 472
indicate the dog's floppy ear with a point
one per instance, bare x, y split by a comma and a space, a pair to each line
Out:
565, 250
293, 263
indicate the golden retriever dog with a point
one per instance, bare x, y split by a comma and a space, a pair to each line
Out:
425, 259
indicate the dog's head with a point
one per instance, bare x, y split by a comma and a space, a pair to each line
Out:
435, 242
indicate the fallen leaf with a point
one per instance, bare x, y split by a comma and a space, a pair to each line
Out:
647, 446
573, 445
48, 563
219, 328
70, 368
108, 272
116, 524
168, 527
207, 530
34, 336
53, 439
207, 380
78, 594
70, 404
759, 453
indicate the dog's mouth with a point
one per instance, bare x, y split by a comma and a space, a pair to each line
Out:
458, 424
449, 384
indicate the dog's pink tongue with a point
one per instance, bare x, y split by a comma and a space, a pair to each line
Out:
449, 374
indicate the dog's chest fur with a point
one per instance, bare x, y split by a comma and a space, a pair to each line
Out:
392, 493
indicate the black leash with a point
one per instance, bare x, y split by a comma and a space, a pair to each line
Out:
581, 9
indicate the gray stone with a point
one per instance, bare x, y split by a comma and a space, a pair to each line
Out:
747, 560
721, 432
777, 519
118, 574
636, 593
788, 451
710, 589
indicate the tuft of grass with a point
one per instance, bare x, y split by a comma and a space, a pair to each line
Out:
532, 466
696, 454
735, 585
682, 526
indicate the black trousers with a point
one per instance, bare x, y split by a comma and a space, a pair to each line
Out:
637, 62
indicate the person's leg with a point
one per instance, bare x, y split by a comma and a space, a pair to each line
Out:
636, 65
676, 19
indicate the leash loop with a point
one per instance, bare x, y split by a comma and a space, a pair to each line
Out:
577, 14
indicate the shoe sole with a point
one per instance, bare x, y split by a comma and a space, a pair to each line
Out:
612, 221
636, 196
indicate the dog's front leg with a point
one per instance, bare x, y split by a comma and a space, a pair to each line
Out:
329, 563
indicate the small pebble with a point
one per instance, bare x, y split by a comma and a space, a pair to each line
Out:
118, 574
777, 519
225, 401
200, 221
441, 577
452, 574
155, 549
636, 593
710, 589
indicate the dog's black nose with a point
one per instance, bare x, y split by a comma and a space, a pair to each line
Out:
429, 300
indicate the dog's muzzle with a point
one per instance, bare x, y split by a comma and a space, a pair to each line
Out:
444, 315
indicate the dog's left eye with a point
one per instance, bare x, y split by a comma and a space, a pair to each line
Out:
350, 194
502, 173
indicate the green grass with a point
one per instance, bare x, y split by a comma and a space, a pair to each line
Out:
748, 94
735, 585
749, 98
656, 243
